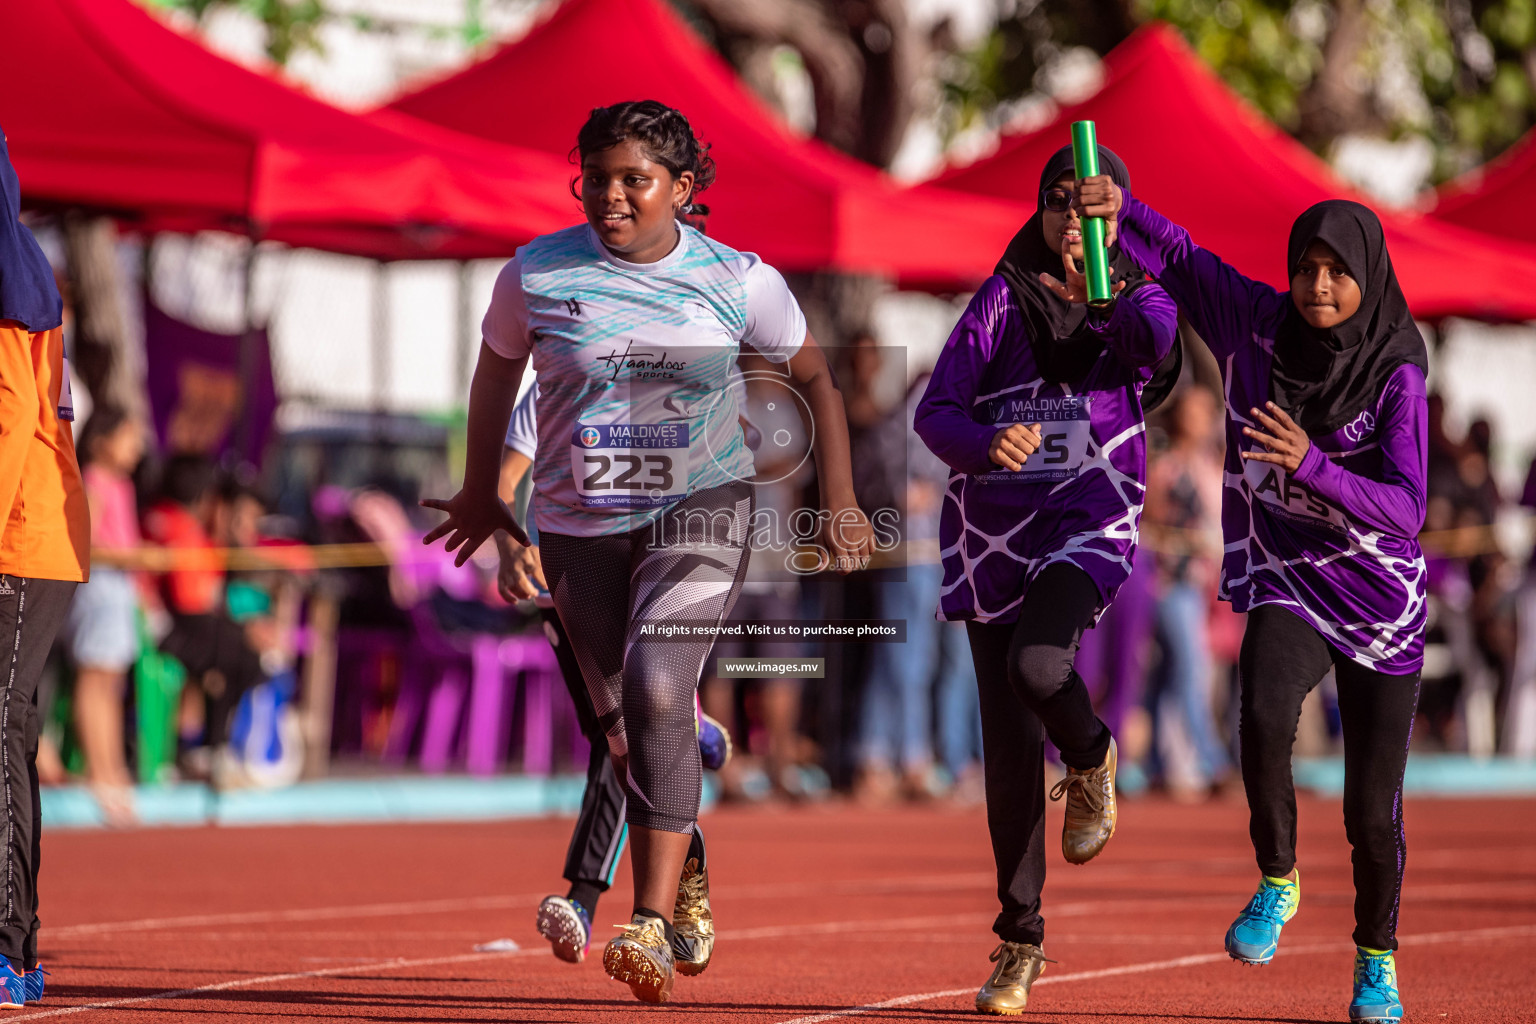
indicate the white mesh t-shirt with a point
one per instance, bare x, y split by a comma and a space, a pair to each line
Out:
633, 362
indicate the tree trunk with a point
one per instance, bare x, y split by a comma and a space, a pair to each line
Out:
103, 353
1336, 102
835, 66
862, 56
894, 56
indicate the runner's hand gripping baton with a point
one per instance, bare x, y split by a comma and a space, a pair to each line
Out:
1085, 154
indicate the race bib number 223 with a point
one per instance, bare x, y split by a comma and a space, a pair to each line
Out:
630, 465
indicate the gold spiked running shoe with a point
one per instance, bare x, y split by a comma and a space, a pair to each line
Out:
642, 959
691, 919
1090, 819
1006, 993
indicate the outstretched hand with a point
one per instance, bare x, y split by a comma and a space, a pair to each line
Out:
471, 521
1286, 443
1075, 289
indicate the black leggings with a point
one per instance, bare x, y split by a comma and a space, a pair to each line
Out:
1282, 659
1029, 690
598, 838
31, 611
611, 593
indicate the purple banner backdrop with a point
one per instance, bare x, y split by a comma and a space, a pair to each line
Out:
199, 391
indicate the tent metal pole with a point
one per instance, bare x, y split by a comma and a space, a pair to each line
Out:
381, 363
245, 433
464, 350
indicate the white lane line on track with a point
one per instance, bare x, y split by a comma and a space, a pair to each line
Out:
306, 914
958, 881
1470, 935
504, 902
267, 979
839, 927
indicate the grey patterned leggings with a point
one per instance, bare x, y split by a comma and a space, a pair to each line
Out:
612, 593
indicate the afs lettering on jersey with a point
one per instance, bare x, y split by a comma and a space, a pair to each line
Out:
1274, 487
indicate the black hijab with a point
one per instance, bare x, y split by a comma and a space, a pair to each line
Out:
1325, 378
28, 293
1064, 350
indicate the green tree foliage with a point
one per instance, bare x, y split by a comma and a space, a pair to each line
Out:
292, 26
1459, 73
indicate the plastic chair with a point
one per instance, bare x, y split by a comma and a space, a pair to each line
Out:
498, 663
157, 682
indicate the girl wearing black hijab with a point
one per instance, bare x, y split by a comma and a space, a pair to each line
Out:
1036, 404
1323, 503
44, 553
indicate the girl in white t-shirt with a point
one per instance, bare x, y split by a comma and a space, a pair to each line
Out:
642, 480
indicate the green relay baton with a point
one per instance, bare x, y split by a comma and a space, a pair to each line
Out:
1085, 154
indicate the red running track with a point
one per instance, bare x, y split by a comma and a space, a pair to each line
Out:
823, 914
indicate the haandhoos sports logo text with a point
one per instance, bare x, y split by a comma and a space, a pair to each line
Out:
642, 365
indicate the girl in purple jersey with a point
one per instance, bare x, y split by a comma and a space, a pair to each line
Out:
1036, 404
1323, 502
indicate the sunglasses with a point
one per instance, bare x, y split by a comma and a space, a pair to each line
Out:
1057, 200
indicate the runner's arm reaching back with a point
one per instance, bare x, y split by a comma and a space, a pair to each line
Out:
848, 531
477, 511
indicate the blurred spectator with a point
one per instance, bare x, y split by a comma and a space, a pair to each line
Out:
896, 710
1480, 490
1444, 454
1519, 734
1112, 659
763, 716
1183, 518
957, 701
266, 738
102, 629
1470, 645
221, 666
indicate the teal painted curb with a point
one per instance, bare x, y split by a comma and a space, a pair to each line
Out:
337, 801
1432, 775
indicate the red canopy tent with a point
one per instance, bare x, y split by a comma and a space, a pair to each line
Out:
797, 203
121, 113
1206, 159
1497, 197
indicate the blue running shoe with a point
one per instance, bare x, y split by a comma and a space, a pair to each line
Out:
1375, 987
14, 986
34, 981
1255, 935
714, 742
568, 927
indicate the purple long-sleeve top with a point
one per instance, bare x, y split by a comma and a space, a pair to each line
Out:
1079, 498
1337, 540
